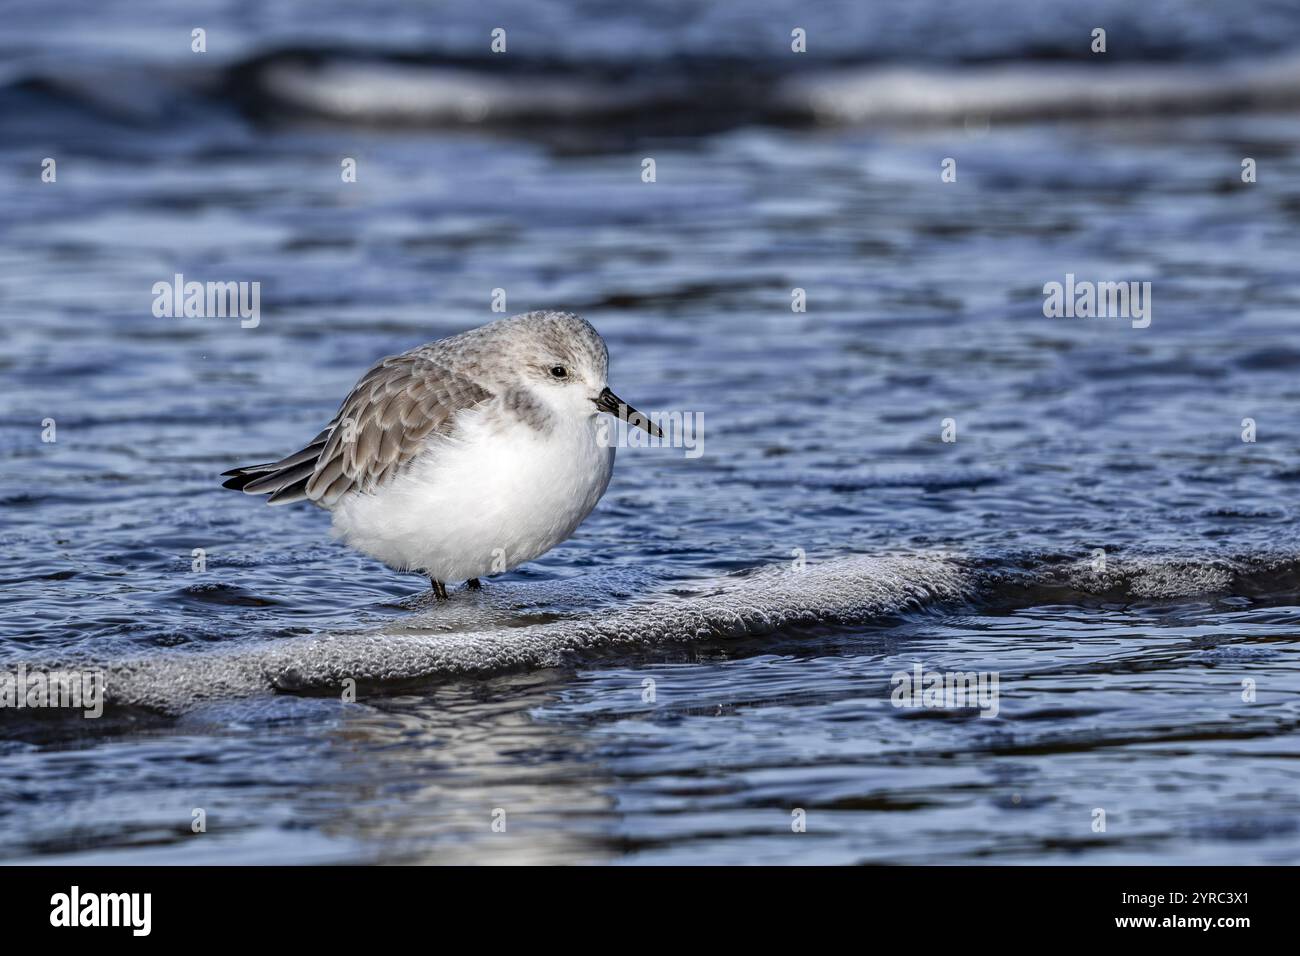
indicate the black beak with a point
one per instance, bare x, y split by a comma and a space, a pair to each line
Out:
607, 401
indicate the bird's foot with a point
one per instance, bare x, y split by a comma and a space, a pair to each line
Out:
439, 589
473, 584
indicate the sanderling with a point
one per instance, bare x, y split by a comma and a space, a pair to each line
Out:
466, 456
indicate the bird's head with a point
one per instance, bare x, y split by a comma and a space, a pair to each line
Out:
564, 364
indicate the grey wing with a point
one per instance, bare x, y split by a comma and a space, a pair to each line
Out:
381, 427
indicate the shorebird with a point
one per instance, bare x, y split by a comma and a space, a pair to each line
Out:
466, 456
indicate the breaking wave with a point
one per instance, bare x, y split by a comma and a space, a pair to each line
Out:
511, 627
423, 94
359, 88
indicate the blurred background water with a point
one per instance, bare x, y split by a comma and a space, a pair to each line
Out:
1121, 688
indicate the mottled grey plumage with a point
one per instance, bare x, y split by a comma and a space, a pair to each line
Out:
404, 400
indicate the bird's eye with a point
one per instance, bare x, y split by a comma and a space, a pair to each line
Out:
559, 371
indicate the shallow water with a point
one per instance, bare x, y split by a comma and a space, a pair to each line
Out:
1120, 683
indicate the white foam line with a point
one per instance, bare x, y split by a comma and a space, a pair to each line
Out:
1032, 90
438, 95
845, 590
490, 633
380, 92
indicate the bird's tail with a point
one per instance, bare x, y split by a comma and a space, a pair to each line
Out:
284, 480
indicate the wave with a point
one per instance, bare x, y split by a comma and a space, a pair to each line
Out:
511, 626
390, 93
361, 89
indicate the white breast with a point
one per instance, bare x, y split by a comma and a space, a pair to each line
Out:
498, 494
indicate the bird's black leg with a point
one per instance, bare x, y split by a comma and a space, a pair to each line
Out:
473, 584
439, 589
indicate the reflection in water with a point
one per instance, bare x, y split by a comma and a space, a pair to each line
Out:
423, 780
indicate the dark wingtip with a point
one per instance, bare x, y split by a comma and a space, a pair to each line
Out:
238, 481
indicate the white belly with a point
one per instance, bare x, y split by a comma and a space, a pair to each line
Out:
496, 496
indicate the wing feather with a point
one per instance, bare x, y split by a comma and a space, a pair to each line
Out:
383, 424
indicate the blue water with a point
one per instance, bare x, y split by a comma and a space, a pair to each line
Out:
1121, 682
